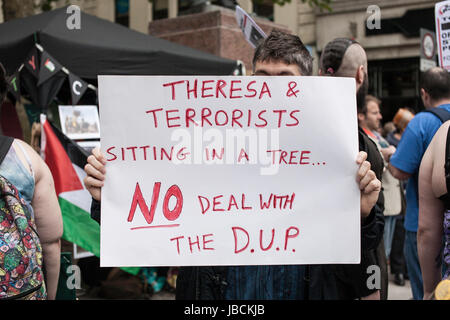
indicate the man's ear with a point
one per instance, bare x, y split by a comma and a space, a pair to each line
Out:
425, 97
422, 92
361, 117
359, 77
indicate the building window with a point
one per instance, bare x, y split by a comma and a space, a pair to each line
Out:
123, 12
263, 9
160, 9
396, 83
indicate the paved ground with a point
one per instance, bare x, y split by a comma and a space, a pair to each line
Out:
395, 292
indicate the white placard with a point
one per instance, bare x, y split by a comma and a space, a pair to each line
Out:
442, 15
262, 170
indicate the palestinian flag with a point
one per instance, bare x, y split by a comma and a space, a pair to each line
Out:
66, 161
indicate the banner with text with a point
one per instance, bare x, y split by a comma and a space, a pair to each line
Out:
442, 16
229, 170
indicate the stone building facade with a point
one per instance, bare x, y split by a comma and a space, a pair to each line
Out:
389, 30
393, 48
215, 31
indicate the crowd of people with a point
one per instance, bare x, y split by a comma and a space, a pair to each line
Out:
401, 176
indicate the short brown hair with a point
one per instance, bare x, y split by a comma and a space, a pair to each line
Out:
436, 82
369, 98
285, 47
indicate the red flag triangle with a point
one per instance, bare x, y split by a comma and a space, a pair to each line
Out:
64, 175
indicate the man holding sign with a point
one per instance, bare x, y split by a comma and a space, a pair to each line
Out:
344, 57
280, 54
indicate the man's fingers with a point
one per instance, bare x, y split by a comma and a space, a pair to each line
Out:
361, 157
366, 179
95, 163
99, 155
90, 182
372, 186
94, 172
362, 171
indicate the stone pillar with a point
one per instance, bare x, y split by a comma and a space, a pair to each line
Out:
106, 9
247, 5
140, 15
173, 8
1, 11
287, 15
306, 28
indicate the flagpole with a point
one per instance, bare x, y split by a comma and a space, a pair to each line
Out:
41, 50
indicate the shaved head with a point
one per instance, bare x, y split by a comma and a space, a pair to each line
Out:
354, 57
343, 57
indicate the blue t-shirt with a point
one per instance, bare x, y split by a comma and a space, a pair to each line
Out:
411, 148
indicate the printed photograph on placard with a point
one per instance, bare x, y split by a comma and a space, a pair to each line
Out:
80, 122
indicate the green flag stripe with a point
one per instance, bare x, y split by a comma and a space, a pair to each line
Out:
80, 229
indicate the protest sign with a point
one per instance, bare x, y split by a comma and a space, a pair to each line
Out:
442, 16
229, 170
252, 32
427, 49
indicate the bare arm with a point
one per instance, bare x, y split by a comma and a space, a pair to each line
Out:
48, 219
431, 209
397, 173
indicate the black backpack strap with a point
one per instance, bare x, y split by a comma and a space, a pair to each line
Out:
442, 114
5, 144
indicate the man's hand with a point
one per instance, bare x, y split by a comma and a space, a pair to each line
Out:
388, 152
95, 170
368, 183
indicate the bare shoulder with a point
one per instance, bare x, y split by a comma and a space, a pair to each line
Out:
37, 162
436, 156
29, 150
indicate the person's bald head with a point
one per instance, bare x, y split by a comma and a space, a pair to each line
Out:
354, 58
344, 57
